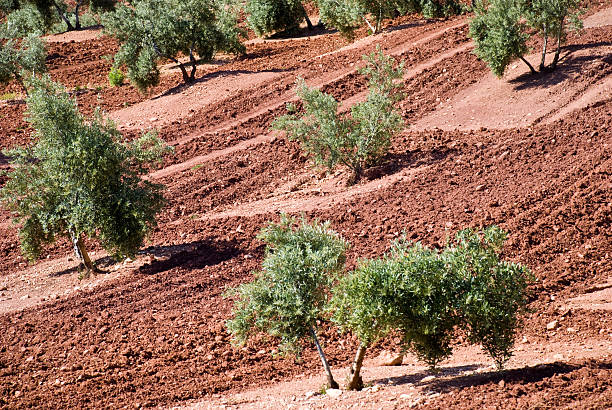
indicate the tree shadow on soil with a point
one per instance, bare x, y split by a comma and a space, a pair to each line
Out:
194, 255
514, 376
450, 378
415, 378
209, 76
405, 26
397, 161
190, 256
569, 67
317, 30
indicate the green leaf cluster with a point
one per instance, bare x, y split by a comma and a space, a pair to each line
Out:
20, 58
116, 77
290, 293
151, 31
348, 15
357, 141
501, 28
429, 295
78, 178
492, 293
267, 16
23, 22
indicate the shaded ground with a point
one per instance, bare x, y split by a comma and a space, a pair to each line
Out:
151, 332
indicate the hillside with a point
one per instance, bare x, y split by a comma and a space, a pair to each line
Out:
533, 155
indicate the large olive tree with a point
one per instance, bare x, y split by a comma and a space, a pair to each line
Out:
79, 179
501, 28
151, 31
290, 293
266, 16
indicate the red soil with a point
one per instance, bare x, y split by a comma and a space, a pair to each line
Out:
151, 332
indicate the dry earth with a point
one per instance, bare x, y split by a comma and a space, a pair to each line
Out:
533, 155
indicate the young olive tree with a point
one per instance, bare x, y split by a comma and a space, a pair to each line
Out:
348, 15
151, 31
501, 28
21, 58
409, 290
357, 141
290, 293
267, 16
78, 179
492, 295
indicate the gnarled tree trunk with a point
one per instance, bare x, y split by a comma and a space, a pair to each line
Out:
331, 383
355, 382
81, 253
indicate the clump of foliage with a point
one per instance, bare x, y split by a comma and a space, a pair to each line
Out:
348, 15
290, 293
24, 22
116, 77
409, 290
357, 141
20, 58
267, 16
428, 295
492, 294
501, 28
151, 31
78, 179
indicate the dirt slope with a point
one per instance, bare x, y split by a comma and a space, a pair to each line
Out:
150, 332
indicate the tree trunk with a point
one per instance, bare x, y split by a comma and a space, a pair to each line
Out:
356, 174
186, 78
533, 71
19, 80
543, 61
192, 60
63, 17
372, 28
77, 21
331, 383
81, 252
308, 22
553, 65
355, 382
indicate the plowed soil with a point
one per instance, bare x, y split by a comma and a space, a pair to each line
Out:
150, 332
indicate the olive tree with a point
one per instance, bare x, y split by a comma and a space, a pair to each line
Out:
492, 296
348, 15
290, 293
409, 290
501, 28
428, 295
20, 58
267, 16
151, 31
79, 179
24, 22
358, 140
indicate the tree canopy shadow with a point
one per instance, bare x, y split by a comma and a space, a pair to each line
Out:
528, 374
190, 256
306, 32
568, 67
209, 76
193, 255
418, 23
102, 263
397, 161
450, 379
415, 378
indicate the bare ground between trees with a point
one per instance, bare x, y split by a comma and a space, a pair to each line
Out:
150, 332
